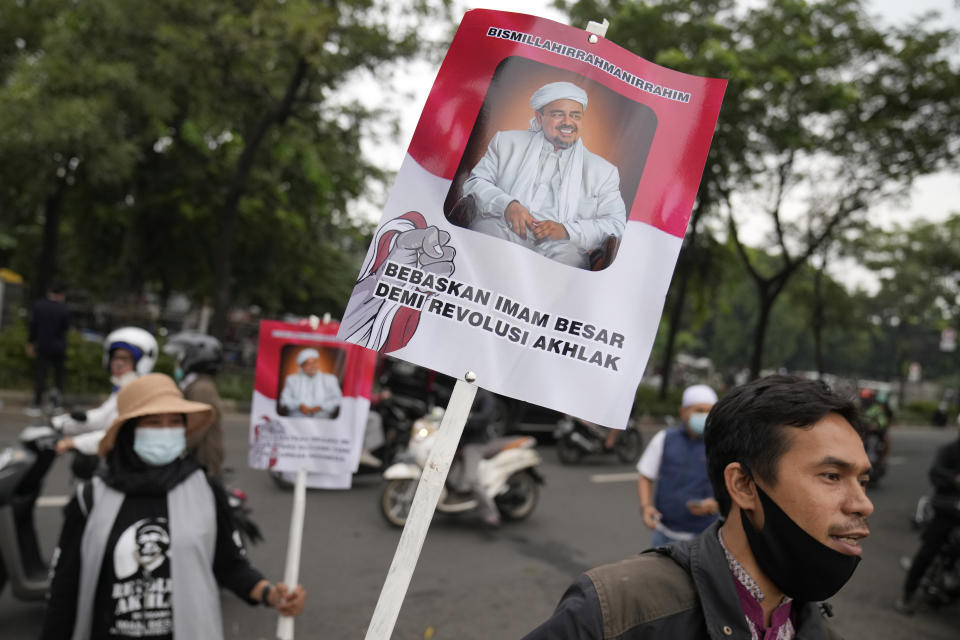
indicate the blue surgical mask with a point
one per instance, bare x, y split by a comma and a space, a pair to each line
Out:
697, 423
158, 446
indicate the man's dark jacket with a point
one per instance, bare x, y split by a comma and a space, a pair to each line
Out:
679, 591
49, 323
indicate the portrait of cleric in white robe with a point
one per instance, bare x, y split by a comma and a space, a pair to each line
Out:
542, 188
311, 392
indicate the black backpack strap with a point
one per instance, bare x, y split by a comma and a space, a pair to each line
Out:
85, 497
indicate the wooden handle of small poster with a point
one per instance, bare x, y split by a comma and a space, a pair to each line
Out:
291, 574
421, 510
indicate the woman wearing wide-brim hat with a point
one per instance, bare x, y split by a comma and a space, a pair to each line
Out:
148, 542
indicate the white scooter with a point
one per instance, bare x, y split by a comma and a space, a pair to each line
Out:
23, 468
509, 476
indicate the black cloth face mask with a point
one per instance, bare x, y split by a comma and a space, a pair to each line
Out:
800, 565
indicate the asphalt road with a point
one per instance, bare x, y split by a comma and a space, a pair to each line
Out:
472, 584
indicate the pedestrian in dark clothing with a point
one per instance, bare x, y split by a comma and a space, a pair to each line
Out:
788, 470
47, 343
945, 476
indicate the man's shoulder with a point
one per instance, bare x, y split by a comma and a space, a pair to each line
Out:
641, 589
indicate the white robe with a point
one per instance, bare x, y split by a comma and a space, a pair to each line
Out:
588, 202
320, 390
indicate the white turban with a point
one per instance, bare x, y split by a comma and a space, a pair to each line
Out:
698, 394
557, 91
306, 354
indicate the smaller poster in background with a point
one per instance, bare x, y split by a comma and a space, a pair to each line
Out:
310, 403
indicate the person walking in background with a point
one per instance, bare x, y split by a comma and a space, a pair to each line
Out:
47, 345
676, 461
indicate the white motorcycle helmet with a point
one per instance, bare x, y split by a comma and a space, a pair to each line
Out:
138, 342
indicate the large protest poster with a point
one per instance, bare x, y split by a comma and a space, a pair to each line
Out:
537, 217
310, 402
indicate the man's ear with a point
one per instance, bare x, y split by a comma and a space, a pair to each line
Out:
740, 486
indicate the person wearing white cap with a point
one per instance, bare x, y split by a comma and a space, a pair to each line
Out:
542, 188
676, 460
310, 391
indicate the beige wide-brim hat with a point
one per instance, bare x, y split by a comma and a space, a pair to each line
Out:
152, 394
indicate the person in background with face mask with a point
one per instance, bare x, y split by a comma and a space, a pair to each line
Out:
128, 352
310, 391
147, 543
676, 461
788, 468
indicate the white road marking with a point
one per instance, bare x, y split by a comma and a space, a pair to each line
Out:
52, 501
601, 478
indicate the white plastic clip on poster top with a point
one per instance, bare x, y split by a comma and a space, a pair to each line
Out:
596, 29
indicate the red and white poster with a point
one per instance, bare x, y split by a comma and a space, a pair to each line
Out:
310, 402
536, 219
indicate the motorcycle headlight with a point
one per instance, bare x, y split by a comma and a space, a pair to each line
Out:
421, 434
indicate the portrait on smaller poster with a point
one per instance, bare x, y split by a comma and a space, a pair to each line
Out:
310, 402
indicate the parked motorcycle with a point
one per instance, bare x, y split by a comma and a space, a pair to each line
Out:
23, 467
509, 476
576, 438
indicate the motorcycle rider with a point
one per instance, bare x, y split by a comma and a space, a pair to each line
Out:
877, 419
128, 353
198, 358
475, 445
945, 477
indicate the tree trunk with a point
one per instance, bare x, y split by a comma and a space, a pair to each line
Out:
766, 300
228, 217
676, 315
680, 299
49, 250
817, 321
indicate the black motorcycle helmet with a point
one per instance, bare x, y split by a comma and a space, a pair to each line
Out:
195, 352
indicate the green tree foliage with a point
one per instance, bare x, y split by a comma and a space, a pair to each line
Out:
203, 147
694, 38
826, 115
919, 296
852, 115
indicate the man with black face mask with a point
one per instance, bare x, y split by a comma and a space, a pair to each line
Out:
788, 470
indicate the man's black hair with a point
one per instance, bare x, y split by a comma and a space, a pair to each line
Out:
748, 425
